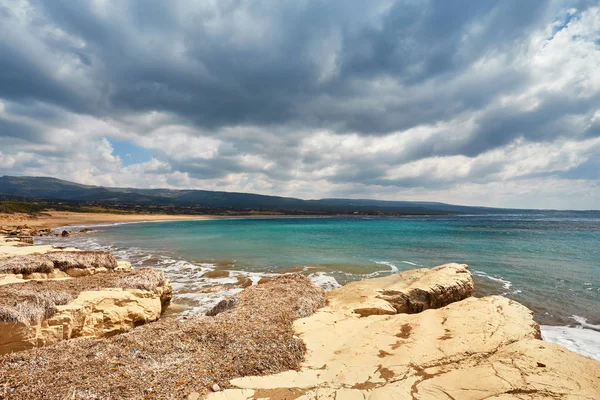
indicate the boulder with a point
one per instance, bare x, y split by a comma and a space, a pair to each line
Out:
123, 266
408, 292
77, 272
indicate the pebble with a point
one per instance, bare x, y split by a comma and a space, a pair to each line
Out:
216, 388
193, 396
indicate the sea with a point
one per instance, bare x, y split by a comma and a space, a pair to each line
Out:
548, 261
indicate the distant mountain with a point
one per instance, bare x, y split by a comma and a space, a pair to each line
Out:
55, 190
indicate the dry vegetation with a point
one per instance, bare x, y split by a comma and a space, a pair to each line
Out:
26, 305
150, 279
63, 260
170, 358
29, 301
26, 264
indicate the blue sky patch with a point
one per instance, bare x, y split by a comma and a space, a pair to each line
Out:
129, 152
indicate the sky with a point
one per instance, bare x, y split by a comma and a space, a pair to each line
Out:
493, 103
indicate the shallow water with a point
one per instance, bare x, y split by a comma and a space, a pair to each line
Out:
548, 261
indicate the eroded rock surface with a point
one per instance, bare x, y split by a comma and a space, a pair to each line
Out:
371, 342
410, 292
36, 311
97, 313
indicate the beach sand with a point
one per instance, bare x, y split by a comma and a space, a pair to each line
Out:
64, 218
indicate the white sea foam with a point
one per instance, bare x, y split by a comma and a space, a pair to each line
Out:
389, 264
580, 340
394, 268
200, 303
109, 224
200, 293
324, 281
191, 288
97, 225
583, 322
411, 263
506, 284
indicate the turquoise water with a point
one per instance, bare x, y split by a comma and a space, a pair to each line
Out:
549, 262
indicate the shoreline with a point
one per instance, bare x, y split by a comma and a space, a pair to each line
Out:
287, 339
60, 219
570, 333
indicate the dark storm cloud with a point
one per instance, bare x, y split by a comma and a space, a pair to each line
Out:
19, 132
217, 81
22, 80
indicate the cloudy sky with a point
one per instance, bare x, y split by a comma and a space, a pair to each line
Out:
468, 102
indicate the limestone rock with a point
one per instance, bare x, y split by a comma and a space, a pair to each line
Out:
88, 262
92, 314
25, 239
6, 279
469, 349
77, 272
123, 266
11, 249
408, 292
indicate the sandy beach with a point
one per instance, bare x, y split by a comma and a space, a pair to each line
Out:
64, 218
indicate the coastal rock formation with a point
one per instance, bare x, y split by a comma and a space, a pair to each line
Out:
58, 264
25, 231
48, 295
279, 340
172, 358
387, 339
93, 313
408, 293
62, 260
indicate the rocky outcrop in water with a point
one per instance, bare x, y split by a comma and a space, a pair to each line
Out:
408, 293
